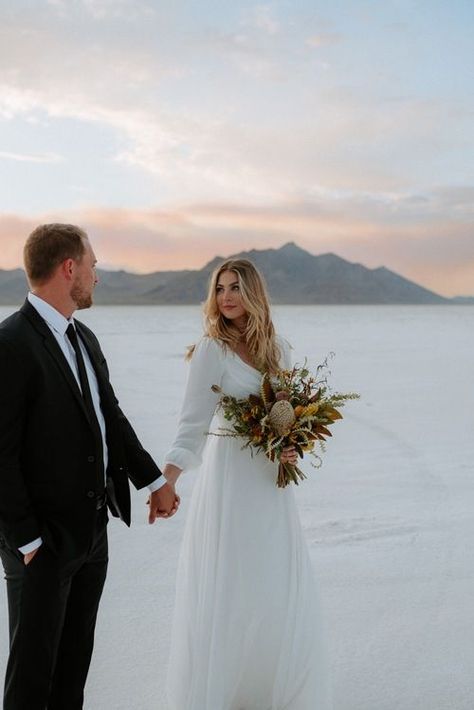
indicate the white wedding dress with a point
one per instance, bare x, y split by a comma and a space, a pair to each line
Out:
246, 630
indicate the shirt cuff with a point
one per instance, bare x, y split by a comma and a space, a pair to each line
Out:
157, 484
31, 546
182, 458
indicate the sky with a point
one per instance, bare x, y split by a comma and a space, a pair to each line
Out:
176, 131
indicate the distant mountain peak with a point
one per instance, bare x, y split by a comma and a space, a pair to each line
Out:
293, 275
292, 249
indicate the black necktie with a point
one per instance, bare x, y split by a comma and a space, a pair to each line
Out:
83, 379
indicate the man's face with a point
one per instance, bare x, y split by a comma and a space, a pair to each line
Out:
85, 278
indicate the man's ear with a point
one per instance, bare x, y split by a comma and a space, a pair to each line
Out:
68, 268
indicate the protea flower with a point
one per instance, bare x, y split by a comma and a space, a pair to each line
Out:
282, 415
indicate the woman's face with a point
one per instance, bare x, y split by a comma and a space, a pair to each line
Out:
229, 300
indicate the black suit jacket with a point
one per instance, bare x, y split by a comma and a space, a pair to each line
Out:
50, 465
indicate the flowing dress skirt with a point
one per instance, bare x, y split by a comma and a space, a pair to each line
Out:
246, 630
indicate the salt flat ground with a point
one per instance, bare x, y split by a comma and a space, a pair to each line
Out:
389, 518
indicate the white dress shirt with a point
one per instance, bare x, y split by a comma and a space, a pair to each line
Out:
58, 325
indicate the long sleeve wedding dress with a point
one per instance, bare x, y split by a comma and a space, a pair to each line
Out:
246, 630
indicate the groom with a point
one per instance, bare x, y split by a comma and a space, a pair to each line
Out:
66, 453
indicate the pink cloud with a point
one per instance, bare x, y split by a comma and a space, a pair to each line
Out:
437, 253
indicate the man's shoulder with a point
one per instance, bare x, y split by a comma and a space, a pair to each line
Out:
10, 320
87, 334
23, 330
17, 339
13, 326
85, 330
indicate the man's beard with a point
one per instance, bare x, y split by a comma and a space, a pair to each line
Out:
81, 297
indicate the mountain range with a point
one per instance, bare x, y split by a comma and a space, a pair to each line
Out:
293, 276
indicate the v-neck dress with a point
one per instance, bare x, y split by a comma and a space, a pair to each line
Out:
246, 631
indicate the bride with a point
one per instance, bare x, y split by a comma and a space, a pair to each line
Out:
246, 630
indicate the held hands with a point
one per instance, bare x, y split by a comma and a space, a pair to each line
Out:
163, 503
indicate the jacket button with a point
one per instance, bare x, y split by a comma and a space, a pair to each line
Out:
91, 459
91, 494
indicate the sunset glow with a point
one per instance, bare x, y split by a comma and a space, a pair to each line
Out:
176, 133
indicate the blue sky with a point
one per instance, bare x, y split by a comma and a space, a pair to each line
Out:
177, 130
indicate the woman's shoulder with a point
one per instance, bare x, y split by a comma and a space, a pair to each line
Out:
208, 346
282, 341
285, 348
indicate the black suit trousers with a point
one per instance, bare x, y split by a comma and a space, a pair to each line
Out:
52, 614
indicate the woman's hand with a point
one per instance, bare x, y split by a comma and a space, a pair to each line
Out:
289, 455
165, 501
171, 473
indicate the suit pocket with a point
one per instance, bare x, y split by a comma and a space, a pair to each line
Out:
35, 558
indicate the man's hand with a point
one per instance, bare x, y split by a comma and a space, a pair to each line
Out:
29, 556
163, 503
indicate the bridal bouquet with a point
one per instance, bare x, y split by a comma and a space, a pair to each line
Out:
293, 408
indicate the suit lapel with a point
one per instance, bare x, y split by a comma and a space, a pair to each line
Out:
96, 359
91, 350
51, 345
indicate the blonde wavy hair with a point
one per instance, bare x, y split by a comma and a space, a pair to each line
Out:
259, 333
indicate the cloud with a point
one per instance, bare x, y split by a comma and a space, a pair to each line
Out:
252, 121
13, 232
263, 18
102, 9
425, 247
239, 134
26, 158
248, 52
324, 39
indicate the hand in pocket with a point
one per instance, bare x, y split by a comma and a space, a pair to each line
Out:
29, 556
